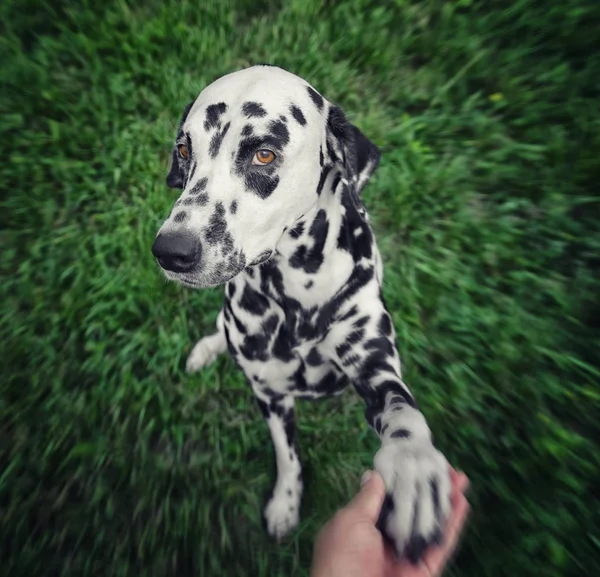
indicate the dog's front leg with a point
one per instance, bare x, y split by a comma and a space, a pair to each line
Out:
415, 473
208, 348
283, 509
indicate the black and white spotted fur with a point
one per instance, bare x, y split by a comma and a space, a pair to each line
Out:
303, 314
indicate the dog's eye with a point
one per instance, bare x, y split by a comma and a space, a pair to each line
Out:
263, 157
183, 151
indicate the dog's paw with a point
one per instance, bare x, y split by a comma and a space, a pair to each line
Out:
282, 513
205, 351
417, 501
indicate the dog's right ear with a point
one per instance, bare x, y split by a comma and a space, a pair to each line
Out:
360, 156
175, 176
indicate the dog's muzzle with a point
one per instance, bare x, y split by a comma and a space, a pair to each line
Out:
177, 252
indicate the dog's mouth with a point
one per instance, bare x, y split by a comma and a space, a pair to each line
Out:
210, 277
262, 258
185, 281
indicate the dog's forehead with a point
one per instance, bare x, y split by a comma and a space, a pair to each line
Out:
259, 91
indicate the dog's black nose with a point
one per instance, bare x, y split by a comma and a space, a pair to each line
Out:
177, 251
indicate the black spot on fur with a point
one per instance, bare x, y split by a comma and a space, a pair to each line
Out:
270, 392
253, 110
264, 408
279, 133
233, 207
254, 347
191, 173
374, 364
262, 184
282, 118
254, 302
398, 399
375, 397
228, 244
202, 199
289, 426
355, 336
270, 325
314, 358
401, 434
331, 383
297, 231
386, 510
297, 114
342, 349
216, 140
385, 325
230, 289
247, 130
217, 226
335, 182
359, 246
331, 151
213, 113
180, 216
351, 360
361, 322
381, 344
324, 172
315, 97
241, 328
321, 158
309, 285
359, 278
351, 312
189, 200
311, 260
199, 186
283, 344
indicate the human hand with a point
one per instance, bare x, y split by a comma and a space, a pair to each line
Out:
350, 545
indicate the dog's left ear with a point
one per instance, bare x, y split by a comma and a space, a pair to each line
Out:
175, 176
360, 156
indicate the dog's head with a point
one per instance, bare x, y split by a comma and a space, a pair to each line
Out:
253, 153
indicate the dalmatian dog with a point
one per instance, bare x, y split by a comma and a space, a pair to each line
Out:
271, 175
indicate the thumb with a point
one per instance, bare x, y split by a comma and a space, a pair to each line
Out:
368, 502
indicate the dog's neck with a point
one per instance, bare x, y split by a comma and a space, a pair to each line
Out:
318, 253
327, 213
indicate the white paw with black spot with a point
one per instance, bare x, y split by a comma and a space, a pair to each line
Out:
417, 501
282, 514
202, 355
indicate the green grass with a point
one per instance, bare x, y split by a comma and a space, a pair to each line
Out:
114, 462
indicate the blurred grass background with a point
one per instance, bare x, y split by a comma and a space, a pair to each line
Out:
114, 462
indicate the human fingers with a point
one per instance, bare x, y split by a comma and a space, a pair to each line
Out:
367, 503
